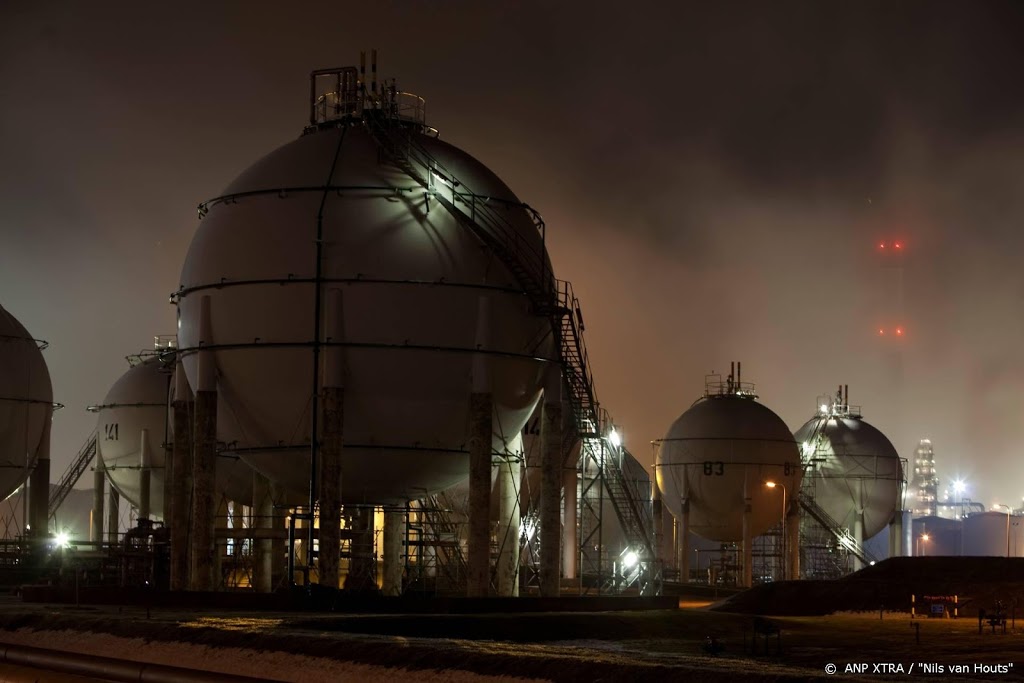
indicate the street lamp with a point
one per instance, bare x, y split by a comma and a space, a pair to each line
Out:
1001, 505
771, 484
924, 538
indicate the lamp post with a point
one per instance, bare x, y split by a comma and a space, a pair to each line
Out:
1008, 509
771, 485
922, 538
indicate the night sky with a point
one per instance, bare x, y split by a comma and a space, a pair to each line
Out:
715, 181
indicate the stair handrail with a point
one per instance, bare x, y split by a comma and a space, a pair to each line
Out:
72, 474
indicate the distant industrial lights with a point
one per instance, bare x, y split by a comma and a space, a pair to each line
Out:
895, 245
959, 486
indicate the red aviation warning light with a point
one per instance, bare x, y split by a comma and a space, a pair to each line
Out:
898, 331
894, 245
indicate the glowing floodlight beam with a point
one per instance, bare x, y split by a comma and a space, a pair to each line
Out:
62, 540
959, 486
614, 437
629, 560
823, 408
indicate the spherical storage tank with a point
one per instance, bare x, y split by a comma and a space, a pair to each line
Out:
412, 300
137, 402
26, 404
722, 451
855, 468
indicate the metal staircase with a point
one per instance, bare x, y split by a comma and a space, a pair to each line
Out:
72, 474
443, 536
488, 219
841, 534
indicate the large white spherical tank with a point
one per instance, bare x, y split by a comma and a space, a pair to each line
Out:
404, 284
986, 534
26, 403
137, 402
854, 467
720, 452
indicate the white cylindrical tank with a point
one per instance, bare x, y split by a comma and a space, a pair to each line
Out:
138, 402
720, 452
404, 286
26, 403
854, 468
988, 534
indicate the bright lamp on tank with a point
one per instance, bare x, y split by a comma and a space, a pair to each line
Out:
629, 560
824, 409
614, 437
61, 540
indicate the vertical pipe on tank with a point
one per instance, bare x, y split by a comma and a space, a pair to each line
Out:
262, 520
39, 486
98, 482
896, 534
509, 478
571, 546
550, 485
113, 516
793, 538
481, 407
204, 462
180, 473
394, 533
674, 557
332, 442
858, 523
145, 476
748, 541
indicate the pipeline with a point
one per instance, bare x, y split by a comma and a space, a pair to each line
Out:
110, 669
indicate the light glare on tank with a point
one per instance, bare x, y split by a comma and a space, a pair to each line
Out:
824, 409
630, 560
61, 540
614, 437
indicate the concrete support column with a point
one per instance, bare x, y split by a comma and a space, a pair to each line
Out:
509, 512
550, 490
329, 479
113, 516
39, 489
684, 541
858, 536
793, 540
481, 428
570, 524
145, 477
658, 512
359, 521
262, 518
99, 479
204, 463
748, 545
394, 534
179, 473
279, 545
479, 551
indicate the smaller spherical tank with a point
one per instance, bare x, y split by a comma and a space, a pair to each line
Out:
26, 403
855, 468
138, 401
718, 456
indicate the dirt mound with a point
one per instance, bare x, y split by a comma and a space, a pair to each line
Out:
888, 585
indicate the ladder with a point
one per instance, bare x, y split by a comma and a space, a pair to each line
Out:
72, 474
485, 217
